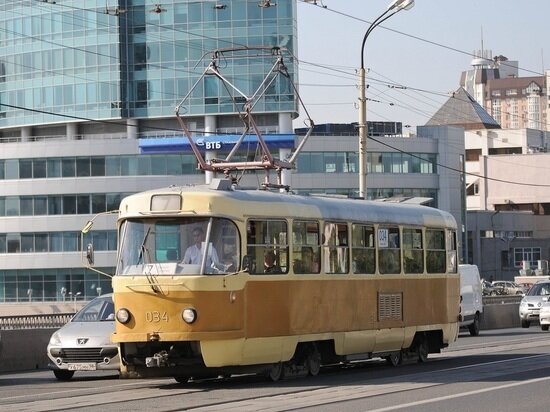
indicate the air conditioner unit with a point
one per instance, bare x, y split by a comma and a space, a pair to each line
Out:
542, 268
525, 272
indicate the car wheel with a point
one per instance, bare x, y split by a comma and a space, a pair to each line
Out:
474, 327
63, 375
544, 327
525, 323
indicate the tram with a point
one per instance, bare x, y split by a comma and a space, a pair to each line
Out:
214, 280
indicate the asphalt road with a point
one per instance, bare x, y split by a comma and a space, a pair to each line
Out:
500, 370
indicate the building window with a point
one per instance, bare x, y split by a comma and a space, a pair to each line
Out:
529, 254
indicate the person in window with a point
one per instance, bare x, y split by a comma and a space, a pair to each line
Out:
193, 254
307, 263
229, 263
270, 263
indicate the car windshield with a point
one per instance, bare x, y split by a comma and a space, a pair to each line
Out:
539, 289
99, 309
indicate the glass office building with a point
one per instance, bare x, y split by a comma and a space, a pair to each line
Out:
105, 59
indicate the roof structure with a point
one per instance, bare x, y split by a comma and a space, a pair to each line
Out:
462, 110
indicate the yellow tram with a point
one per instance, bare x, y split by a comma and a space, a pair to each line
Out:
215, 280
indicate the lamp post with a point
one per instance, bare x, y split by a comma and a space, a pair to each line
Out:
395, 7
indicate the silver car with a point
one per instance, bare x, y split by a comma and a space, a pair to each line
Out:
84, 343
529, 308
504, 287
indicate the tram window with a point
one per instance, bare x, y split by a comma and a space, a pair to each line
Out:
435, 251
413, 253
451, 252
305, 252
267, 246
335, 248
167, 246
180, 244
363, 249
389, 250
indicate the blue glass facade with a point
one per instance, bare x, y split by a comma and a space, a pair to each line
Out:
105, 59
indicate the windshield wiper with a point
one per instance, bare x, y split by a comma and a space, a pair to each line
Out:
152, 280
142, 249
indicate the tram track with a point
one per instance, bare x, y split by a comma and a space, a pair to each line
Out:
490, 361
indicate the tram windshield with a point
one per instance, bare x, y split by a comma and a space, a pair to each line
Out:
172, 246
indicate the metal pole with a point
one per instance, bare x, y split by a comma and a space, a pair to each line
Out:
362, 135
395, 7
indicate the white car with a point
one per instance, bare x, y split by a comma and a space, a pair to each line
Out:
84, 343
531, 304
544, 315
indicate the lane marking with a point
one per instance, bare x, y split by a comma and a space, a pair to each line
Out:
459, 395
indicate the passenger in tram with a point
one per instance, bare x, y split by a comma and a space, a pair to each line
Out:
307, 264
270, 263
229, 263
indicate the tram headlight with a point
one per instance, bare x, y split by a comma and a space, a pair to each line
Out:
123, 315
189, 315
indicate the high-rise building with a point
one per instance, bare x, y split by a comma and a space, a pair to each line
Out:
514, 102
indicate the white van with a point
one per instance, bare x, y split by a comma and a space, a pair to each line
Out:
471, 304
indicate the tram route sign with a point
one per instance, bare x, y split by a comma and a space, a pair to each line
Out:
383, 238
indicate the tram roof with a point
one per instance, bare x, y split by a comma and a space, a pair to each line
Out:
289, 204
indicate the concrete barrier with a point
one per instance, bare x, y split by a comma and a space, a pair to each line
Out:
24, 349
500, 316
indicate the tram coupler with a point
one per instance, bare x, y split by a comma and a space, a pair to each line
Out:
158, 360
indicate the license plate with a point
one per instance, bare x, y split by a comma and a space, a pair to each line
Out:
82, 366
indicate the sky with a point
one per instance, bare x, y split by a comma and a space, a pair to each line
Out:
424, 49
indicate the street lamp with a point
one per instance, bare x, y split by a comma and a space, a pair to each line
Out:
395, 7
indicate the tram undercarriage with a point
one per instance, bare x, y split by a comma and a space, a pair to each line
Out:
183, 360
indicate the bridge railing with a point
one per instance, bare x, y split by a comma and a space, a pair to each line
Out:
42, 321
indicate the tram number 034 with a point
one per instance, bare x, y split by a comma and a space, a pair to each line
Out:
156, 316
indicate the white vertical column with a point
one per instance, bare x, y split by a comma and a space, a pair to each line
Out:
285, 127
26, 133
132, 128
71, 129
210, 125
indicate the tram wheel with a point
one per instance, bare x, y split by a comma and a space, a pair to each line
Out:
422, 351
394, 358
181, 379
276, 372
313, 362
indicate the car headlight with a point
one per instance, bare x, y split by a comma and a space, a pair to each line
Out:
189, 315
123, 315
523, 304
55, 340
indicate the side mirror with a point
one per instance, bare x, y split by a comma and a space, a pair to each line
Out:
90, 253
